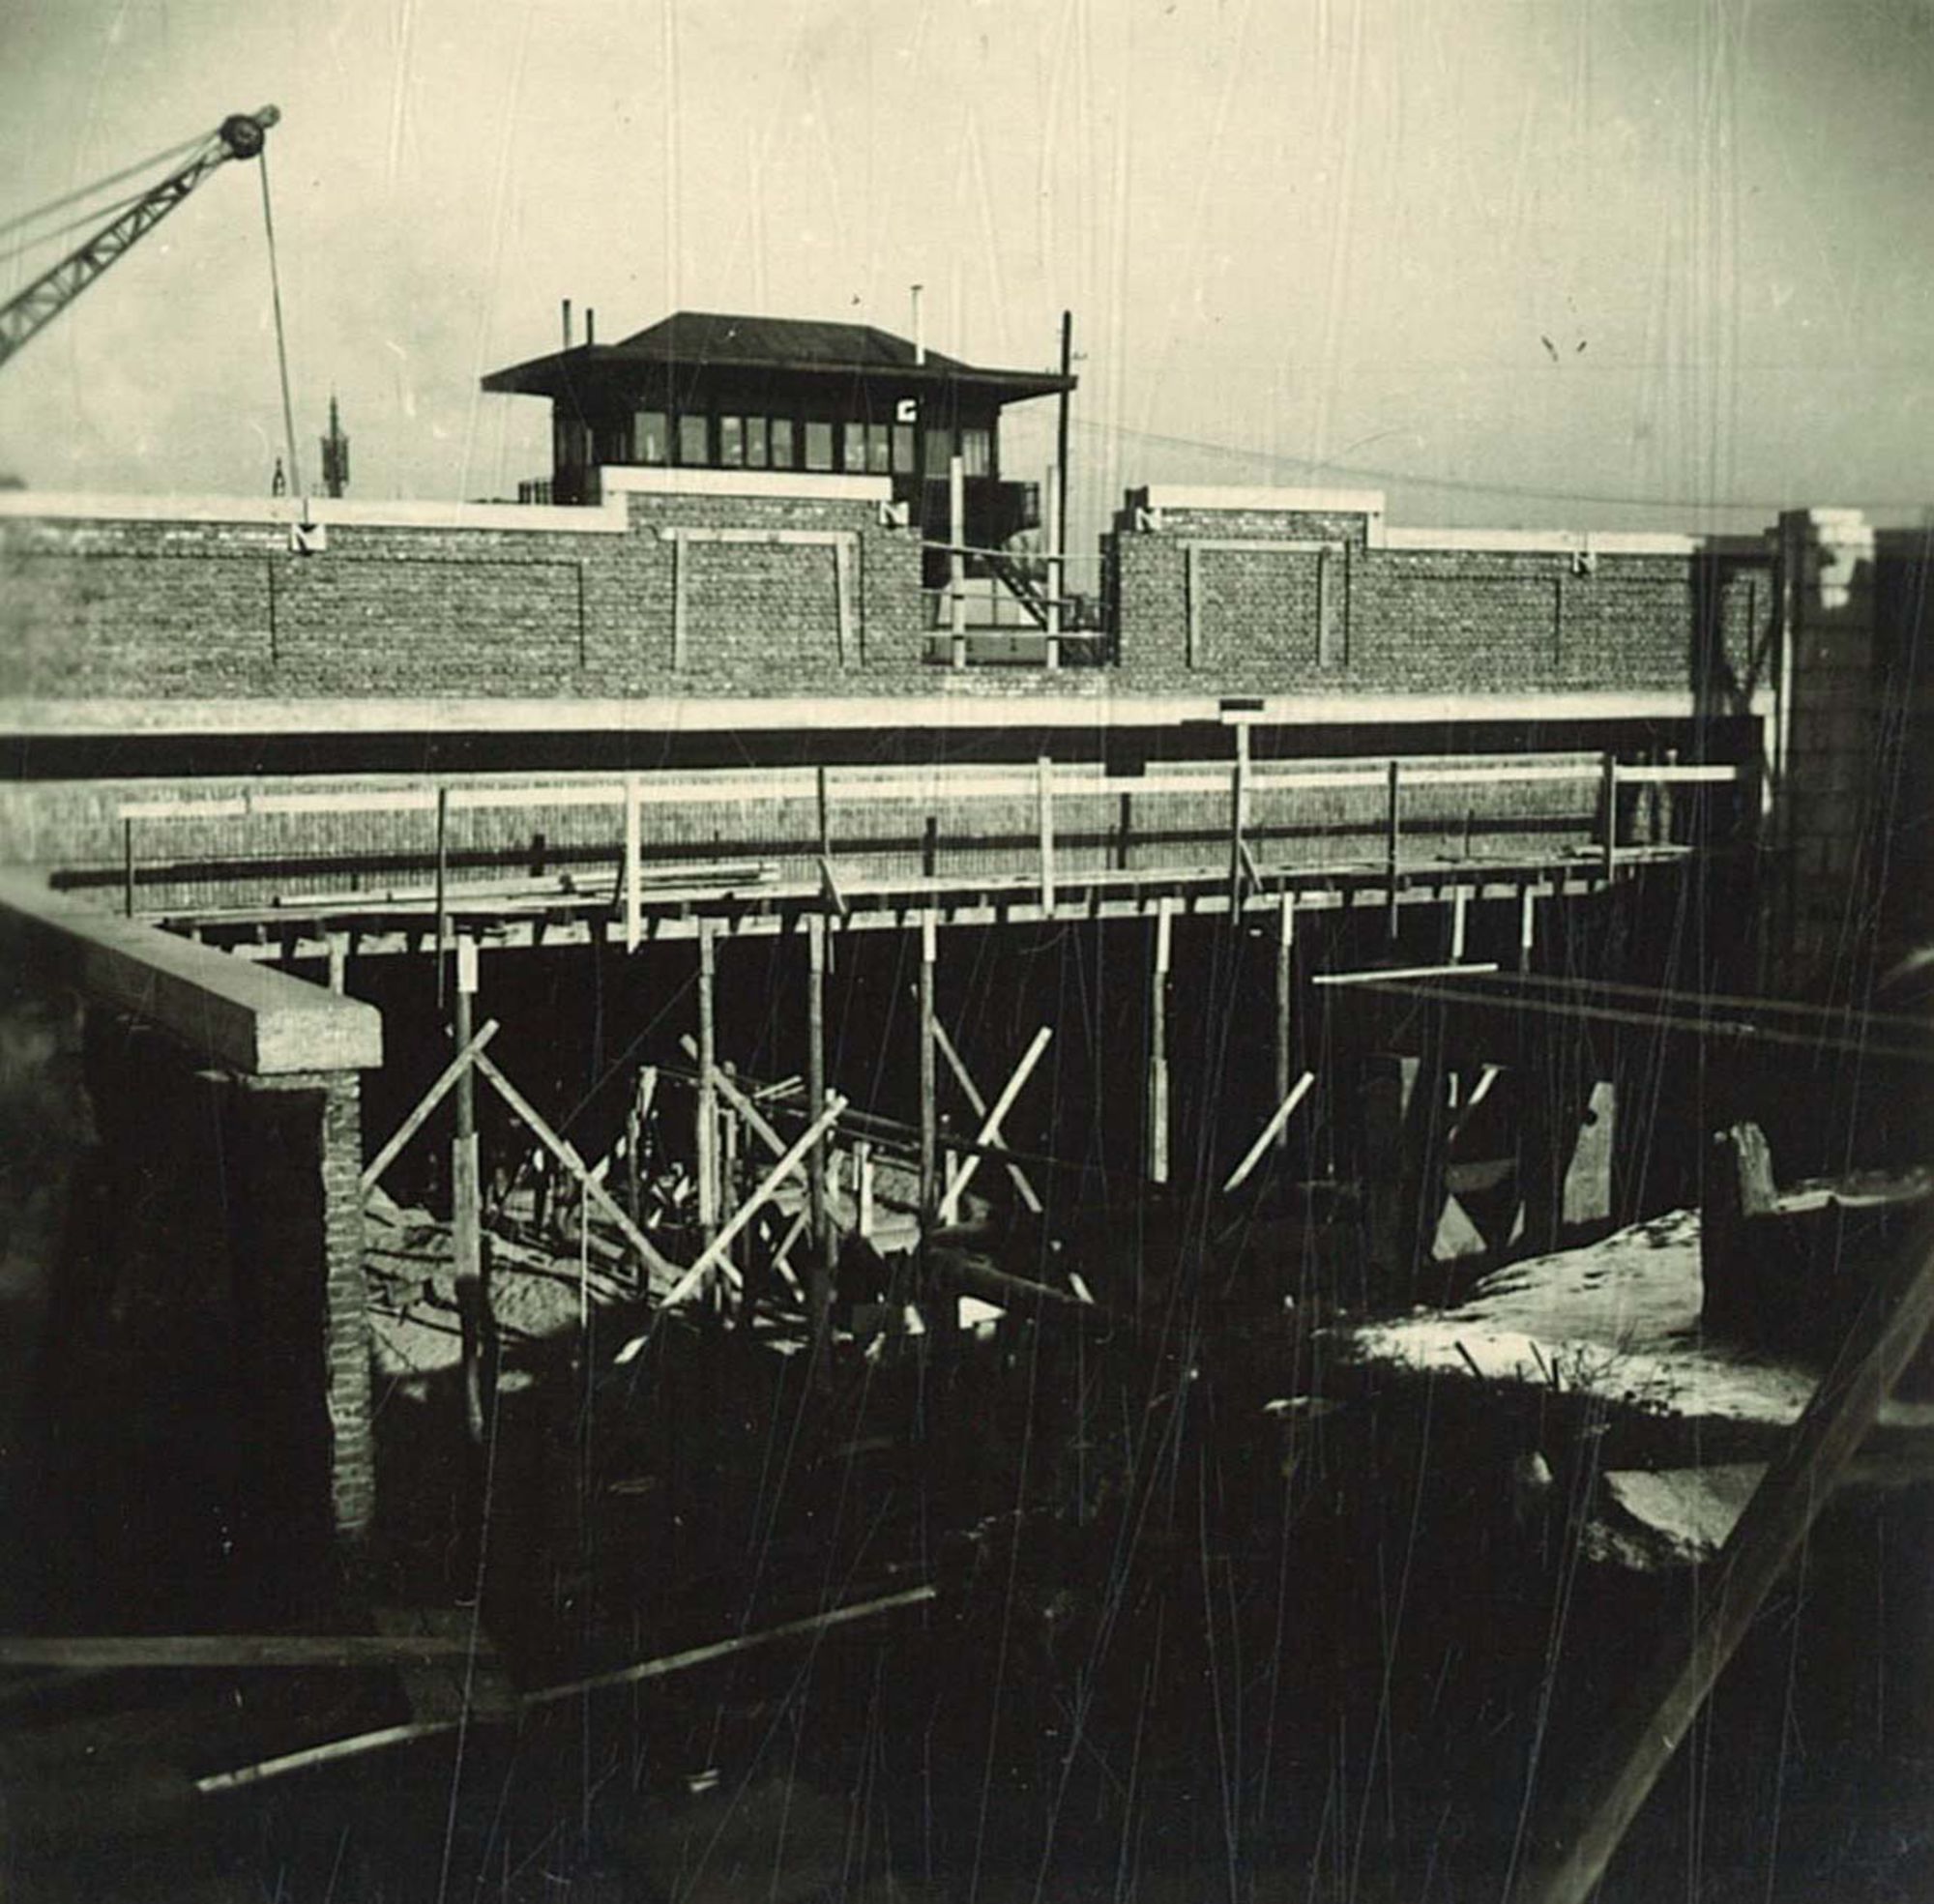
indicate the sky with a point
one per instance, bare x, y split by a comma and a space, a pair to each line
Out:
1594, 263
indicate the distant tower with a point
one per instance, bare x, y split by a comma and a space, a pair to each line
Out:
278, 484
334, 454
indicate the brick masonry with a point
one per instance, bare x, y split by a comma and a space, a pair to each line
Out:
206, 608
207, 1379
1318, 605
214, 609
300, 1212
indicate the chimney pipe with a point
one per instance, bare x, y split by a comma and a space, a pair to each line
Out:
919, 334
590, 326
566, 323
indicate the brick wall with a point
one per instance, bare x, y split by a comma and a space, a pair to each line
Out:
295, 1212
214, 608
206, 1387
1233, 597
1323, 601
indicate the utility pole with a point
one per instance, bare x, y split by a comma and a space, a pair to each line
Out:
1060, 434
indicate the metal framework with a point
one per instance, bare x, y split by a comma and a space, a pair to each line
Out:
241, 135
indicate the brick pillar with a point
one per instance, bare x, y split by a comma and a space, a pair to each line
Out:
295, 1150
1822, 756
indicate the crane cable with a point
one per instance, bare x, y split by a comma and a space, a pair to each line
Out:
73, 198
281, 339
100, 215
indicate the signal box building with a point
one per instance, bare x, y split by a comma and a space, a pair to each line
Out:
717, 391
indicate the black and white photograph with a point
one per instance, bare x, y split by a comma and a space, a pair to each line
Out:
966, 951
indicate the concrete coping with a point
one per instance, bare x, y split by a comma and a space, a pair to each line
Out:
246, 1017
1379, 534
608, 517
1261, 498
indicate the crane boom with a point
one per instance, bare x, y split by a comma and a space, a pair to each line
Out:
241, 135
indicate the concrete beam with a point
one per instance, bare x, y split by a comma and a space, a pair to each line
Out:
243, 1017
1091, 700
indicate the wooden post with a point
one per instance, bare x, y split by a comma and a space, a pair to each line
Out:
128, 867
1045, 801
339, 962
1285, 994
862, 1173
1460, 898
1061, 431
705, 1129
1158, 1101
819, 1257
1526, 924
1608, 800
442, 889
929, 1112
1054, 566
373, 1170
956, 559
633, 868
634, 1140
715, 1253
466, 1215
1239, 821
1124, 832
728, 1159
1393, 843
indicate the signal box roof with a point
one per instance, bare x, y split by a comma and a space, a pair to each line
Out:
697, 341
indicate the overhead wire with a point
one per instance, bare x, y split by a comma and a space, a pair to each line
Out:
1466, 486
80, 193
101, 215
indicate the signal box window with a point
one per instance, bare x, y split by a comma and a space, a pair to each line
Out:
693, 441
879, 449
782, 456
732, 442
651, 437
855, 446
819, 445
939, 451
977, 452
903, 460
756, 443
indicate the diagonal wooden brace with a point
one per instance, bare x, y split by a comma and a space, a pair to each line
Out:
714, 1254
567, 1154
471, 1054
1279, 1117
990, 1119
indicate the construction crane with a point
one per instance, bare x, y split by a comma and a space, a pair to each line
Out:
241, 135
